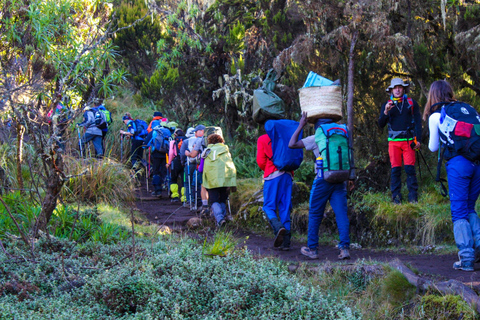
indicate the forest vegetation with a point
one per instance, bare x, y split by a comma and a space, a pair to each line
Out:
71, 245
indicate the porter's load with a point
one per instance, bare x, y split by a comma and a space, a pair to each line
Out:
321, 98
266, 104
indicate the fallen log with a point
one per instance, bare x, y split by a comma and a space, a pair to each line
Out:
452, 287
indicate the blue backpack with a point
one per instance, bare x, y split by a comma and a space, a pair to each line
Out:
140, 128
280, 132
160, 139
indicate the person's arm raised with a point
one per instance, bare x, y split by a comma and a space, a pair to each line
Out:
294, 143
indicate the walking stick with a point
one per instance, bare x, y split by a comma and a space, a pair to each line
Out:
189, 186
121, 147
147, 172
168, 178
80, 142
196, 187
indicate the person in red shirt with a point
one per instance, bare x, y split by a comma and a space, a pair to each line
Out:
277, 193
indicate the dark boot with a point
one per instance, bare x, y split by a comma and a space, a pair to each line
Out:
412, 184
279, 231
157, 185
286, 241
396, 184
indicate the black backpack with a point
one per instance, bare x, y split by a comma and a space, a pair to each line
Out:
460, 131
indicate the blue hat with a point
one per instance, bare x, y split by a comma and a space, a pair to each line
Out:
199, 127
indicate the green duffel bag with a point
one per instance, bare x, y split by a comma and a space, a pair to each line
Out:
266, 104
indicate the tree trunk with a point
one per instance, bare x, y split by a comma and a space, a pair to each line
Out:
20, 133
53, 188
351, 73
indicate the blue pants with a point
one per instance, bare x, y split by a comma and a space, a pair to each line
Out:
321, 192
96, 141
277, 194
464, 189
464, 186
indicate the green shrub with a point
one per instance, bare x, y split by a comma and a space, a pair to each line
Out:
169, 279
446, 307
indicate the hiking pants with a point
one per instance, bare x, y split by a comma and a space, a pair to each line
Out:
464, 186
321, 192
217, 198
277, 194
96, 141
176, 171
400, 151
159, 169
136, 151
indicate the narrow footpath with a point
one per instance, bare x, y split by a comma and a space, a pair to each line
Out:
173, 215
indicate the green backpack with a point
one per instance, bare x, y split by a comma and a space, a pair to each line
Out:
218, 168
333, 145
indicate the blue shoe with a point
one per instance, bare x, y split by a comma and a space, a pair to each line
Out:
465, 266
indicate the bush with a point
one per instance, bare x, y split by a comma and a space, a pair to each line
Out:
170, 279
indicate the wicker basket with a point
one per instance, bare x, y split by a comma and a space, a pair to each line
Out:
321, 102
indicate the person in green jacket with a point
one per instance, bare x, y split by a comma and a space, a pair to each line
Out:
219, 176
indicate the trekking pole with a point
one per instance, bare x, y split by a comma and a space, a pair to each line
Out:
168, 178
189, 186
196, 187
121, 147
80, 142
147, 168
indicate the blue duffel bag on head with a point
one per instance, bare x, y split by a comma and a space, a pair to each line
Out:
280, 132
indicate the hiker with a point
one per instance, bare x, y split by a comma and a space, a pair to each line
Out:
322, 190
98, 105
193, 152
156, 121
92, 132
158, 140
219, 176
175, 166
277, 193
402, 114
137, 131
452, 124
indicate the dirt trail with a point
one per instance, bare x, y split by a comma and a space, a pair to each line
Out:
175, 216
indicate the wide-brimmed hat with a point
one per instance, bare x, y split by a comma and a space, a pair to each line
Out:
190, 132
396, 82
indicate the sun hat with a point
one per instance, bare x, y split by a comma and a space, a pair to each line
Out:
396, 82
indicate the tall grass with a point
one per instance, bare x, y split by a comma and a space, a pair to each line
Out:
98, 181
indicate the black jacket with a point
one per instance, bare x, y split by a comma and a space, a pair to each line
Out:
401, 124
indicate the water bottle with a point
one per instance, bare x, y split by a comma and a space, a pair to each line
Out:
319, 167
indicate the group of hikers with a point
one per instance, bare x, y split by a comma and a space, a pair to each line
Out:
197, 168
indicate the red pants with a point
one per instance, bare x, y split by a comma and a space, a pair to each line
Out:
401, 149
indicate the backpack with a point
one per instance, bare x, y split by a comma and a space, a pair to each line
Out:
460, 131
108, 115
334, 146
161, 139
178, 144
212, 130
100, 120
280, 132
218, 169
140, 128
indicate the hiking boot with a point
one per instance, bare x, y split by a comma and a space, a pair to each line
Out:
176, 199
279, 237
311, 253
397, 200
344, 254
157, 193
204, 211
286, 241
465, 266
221, 223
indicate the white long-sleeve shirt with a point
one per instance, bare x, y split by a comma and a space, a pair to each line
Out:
433, 123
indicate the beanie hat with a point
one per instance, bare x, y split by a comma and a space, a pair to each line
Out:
157, 114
